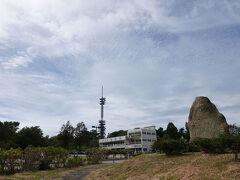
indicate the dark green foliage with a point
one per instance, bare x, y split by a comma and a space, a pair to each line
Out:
172, 131
172, 146
74, 161
169, 146
193, 147
69, 137
160, 132
156, 145
44, 164
214, 145
8, 134
222, 144
186, 133
30, 136
66, 135
52, 141
172, 141
86, 139
117, 133
80, 135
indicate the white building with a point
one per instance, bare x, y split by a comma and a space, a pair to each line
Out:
139, 139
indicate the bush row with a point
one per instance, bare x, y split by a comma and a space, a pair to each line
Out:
15, 160
169, 146
222, 144
42, 158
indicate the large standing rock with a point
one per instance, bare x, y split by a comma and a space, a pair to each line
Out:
205, 121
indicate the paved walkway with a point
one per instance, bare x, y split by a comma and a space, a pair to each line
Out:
82, 173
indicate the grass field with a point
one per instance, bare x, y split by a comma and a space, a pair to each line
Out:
195, 166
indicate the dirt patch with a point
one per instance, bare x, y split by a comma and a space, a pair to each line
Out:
82, 173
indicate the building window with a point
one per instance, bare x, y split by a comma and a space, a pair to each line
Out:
137, 133
153, 134
143, 132
149, 133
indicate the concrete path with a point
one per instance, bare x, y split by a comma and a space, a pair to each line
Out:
82, 173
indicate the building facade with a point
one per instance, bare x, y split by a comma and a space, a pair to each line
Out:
139, 139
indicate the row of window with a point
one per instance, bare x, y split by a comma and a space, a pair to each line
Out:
111, 145
149, 140
148, 133
139, 133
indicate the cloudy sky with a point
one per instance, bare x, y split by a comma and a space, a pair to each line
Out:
153, 57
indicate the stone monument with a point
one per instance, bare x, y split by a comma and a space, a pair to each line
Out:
205, 121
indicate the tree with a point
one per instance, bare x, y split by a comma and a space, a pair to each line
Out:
184, 133
80, 135
65, 136
160, 132
8, 134
93, 139
30, 136
187, 133
181, 132
117, 133
172, 131
51, 141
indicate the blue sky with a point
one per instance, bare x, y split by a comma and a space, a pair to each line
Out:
153, 58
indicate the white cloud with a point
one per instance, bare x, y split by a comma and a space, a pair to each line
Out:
21, 59
153, 57
60, 28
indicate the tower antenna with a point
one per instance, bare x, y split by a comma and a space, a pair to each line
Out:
101, 121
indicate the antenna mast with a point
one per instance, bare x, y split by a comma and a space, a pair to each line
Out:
101, 121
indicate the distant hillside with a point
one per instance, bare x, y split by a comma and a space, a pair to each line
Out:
158, 166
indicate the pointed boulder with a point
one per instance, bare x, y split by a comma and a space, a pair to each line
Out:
205, 121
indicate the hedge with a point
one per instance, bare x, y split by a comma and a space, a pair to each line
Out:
15, 160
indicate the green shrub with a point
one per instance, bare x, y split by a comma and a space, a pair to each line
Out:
31, 159
54, 156
95, 155
13, 160
157, 145
2, 160
32, 156
44, 164
194, 147
170, 146
215, 145
74, 161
